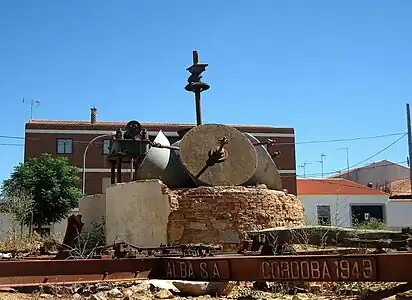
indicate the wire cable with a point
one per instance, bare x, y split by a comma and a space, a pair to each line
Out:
290, 143
371, 166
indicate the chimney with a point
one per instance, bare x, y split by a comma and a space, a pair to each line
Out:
93, 115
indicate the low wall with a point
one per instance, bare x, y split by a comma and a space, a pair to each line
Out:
399, 213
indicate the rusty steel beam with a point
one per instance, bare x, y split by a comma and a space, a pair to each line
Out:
53, 272
389, 267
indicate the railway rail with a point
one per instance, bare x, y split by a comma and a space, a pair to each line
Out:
264, 257
386, 267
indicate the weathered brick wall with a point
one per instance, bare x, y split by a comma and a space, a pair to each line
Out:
223, 215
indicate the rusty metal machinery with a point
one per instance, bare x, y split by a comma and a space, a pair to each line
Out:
196, 85
133, 145
129, 145
209, 154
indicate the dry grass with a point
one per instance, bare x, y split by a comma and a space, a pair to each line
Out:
26, 244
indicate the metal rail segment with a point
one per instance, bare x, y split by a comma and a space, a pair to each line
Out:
386, 267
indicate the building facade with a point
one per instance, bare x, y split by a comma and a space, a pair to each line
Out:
340, 202
379, 174
70, 139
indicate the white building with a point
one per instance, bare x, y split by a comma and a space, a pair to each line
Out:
341, 202
379, 174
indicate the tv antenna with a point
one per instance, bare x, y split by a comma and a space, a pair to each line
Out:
321, 161
303, 166
32, 104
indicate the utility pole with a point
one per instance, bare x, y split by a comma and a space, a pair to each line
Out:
408, 117
32, 103
321, 161
347, 159
304, 168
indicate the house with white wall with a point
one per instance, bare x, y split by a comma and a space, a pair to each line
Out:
341, 202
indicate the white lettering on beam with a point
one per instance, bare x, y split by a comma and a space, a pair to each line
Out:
317, 270
189, 270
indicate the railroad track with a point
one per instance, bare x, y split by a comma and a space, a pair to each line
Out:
204, 263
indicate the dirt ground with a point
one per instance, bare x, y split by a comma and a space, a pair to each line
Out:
241, 291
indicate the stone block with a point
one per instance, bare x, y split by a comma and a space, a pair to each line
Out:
137, 212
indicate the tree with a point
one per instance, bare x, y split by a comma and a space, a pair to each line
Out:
20, 205
52, 183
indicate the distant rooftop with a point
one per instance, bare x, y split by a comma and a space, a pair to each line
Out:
400, 188
334, 186
368, 166
103, 125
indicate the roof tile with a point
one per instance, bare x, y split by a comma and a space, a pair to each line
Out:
335, 186
401, 187
62, 124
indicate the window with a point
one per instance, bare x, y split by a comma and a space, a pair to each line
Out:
106, 147
324, 215
365, 213
64, 146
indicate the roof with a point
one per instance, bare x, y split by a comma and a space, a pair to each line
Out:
376, 164
334, 186
87, 125
401, 187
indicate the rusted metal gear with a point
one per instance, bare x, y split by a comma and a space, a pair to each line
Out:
218, 155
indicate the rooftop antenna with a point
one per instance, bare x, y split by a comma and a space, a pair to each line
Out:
32, 104
304, 168
195, 84
321, 161
347, 159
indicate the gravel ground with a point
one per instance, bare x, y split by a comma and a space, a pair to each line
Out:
242, 291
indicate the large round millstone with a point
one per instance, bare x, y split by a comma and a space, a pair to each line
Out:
239, 166
267, 171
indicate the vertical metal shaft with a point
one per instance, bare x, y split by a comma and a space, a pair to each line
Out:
119, 170
195, 57
198, 109
197, 93
131, 169
31, 109
113, 172
196, 85
408, 117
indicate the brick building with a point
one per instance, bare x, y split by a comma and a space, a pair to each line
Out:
70, 139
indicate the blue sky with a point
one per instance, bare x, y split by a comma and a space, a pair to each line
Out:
330, 69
